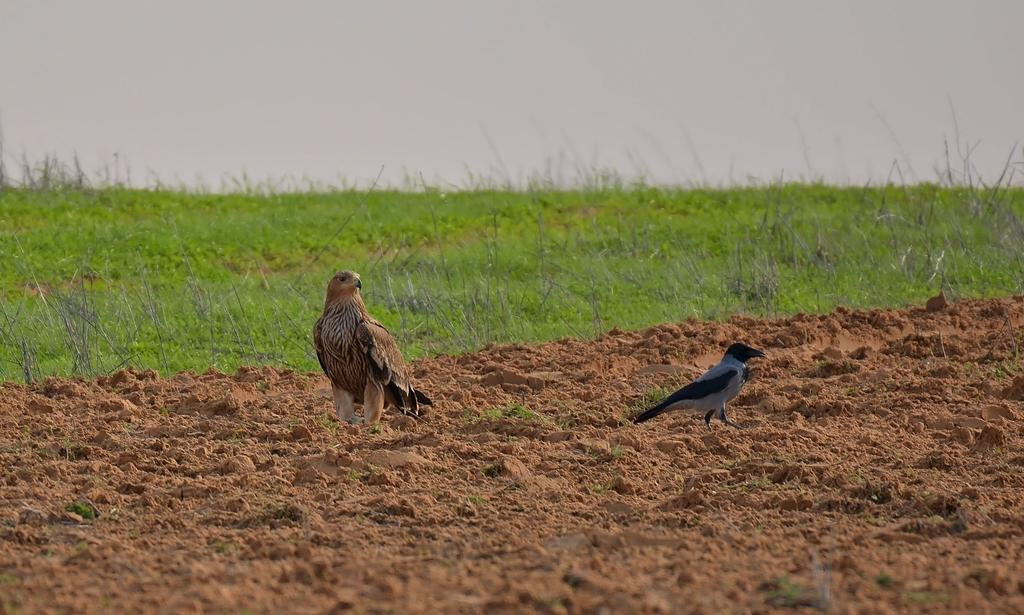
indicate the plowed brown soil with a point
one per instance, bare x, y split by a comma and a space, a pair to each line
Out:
881, 470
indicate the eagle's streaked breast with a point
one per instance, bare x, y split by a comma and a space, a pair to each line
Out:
343, 358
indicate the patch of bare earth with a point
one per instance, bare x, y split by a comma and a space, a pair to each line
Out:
881, 470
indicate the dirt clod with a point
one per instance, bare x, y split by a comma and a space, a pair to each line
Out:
936, 303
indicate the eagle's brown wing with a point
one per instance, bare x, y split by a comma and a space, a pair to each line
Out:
319, 344
388, 367
324, 354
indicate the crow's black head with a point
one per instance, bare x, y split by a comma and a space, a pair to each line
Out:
741, 352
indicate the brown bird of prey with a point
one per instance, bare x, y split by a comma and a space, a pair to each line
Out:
360, 357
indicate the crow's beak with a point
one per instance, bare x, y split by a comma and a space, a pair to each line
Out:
359, 285
756, 353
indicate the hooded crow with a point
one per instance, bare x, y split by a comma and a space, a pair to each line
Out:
711, 391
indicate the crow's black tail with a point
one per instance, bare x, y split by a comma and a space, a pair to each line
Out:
650, 413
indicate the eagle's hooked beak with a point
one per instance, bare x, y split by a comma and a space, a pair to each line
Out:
359, 285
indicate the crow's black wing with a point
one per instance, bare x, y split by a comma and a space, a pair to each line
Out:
695, 390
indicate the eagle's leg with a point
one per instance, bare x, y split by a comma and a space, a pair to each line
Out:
707, 418
344, 407
725, 419
373, 403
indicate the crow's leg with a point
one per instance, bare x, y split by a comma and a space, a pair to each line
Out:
725, 419
707, 418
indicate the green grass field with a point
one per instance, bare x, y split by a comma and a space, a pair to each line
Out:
93, 280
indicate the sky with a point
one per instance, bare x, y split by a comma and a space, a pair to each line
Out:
680, 92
